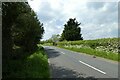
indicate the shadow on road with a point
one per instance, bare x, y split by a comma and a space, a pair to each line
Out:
62, 72
52, 53
50, 49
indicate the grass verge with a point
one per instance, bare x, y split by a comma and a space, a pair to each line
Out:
90, 51
34, 66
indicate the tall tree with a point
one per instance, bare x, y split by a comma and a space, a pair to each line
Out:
10, 11
20, 27
72, 31
27, 31
21, 31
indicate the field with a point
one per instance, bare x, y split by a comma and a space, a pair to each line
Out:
106, 47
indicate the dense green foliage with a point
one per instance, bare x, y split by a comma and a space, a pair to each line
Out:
20, 28
71, 31
33, 66
21, 32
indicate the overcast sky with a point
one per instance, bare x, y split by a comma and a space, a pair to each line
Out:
98, 19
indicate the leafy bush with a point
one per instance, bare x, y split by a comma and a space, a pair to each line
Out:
33, 66
106, 44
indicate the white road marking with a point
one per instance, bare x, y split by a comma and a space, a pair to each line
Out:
62, 52
92, 67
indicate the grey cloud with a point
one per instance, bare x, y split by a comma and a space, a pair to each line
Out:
95, 5
105, 18
100, 34
110, 15
46, 13
103, 31
112, 6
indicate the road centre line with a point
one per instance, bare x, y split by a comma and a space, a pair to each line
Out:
92, 67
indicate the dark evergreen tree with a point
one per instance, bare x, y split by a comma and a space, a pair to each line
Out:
20, 27
21, 32
10, 11
72, 31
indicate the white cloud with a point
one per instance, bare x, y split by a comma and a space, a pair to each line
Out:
35, 4
100, 31
99, 19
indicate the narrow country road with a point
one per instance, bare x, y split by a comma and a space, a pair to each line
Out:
68, 64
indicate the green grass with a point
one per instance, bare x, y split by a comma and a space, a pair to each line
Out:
110, 43
90, 51
34, 66
105, 47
